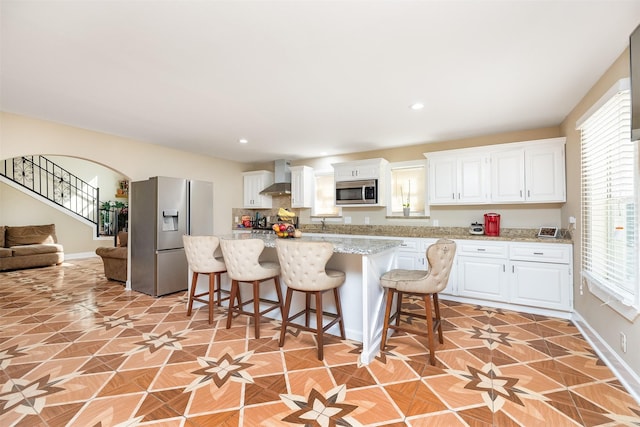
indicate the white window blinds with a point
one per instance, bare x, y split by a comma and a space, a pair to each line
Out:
609, 225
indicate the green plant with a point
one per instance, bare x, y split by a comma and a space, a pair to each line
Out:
408, 203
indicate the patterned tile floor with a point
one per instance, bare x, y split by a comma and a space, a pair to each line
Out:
78, 350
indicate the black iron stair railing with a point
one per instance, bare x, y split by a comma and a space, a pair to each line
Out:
54, 183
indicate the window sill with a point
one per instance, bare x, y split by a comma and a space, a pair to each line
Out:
627, 309
412, 216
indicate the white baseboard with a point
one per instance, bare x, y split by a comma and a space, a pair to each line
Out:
623, 372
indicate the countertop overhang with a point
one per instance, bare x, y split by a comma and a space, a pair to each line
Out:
341, 244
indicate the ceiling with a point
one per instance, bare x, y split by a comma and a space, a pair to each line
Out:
304, 79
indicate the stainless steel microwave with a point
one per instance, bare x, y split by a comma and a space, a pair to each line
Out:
361, 192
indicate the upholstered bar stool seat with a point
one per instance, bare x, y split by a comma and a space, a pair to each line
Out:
242, 257
303, 266
201, 256
426, 284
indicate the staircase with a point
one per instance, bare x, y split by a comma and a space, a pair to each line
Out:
41, 176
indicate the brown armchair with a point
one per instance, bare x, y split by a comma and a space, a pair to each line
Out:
115, 259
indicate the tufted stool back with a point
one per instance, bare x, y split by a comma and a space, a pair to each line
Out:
303, 264
426, 284
303, 267
201, 256
440, 258
200, 251
242, 259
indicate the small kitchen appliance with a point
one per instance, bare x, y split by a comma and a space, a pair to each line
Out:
476, 228
492, 224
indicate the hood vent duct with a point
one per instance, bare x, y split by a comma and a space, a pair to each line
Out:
282, 178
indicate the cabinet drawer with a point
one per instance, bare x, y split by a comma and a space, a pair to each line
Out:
409, 246
493, 250
553, 253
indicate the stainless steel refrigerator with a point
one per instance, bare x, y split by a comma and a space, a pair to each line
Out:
162, 210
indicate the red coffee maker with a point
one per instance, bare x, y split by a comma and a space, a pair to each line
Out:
492, 224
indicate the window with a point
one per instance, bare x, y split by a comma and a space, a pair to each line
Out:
408, 187
609, 181
324, 201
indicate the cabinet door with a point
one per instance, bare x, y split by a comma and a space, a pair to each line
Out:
254, 183
507, 176
301, 187
442, 181
539, 284
482, 278
545, 174
473, 180
454, 180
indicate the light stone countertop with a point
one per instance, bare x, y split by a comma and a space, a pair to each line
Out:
342, 245
456, 233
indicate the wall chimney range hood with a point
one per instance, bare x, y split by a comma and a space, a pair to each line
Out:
282, 178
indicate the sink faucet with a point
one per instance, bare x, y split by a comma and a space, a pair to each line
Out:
323, 223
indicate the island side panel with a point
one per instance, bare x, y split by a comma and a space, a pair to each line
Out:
373, 299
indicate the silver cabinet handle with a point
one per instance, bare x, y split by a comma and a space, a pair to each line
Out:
538, 253
481, 249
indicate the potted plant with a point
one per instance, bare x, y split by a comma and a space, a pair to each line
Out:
406, 206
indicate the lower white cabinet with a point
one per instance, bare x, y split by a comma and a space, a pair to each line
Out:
541, 275
482, 269
531, 274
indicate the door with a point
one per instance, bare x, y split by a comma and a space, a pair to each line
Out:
172, 212
172, 271
482, 278
200, 208
507, 176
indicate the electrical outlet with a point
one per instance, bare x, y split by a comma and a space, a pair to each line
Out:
366, 220
572, 220
347, 220
623, 342
435, 222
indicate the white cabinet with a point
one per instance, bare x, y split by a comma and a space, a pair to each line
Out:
529, 172
410, 257
541, 275
458, 179
361, 169
302, 187
519, 172
482, 270
254, 182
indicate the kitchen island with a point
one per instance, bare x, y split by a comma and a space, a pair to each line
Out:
363, 260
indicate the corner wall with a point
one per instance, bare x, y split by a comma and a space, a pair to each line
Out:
603, 319
20, 135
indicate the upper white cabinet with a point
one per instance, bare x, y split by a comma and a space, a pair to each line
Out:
455, 178
302, 187
254, 182
521, 172
529, 172
360, 169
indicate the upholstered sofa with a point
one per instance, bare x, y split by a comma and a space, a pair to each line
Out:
29, 246
115, 259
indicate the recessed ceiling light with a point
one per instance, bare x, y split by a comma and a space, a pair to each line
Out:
417, 106
243, 141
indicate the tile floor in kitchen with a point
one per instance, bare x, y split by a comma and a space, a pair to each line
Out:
78, 350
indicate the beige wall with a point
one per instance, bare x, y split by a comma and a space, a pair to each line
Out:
136, 160
607, 322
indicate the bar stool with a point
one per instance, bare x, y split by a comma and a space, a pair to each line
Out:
200, 251
424, 283
303, 266
242, 259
